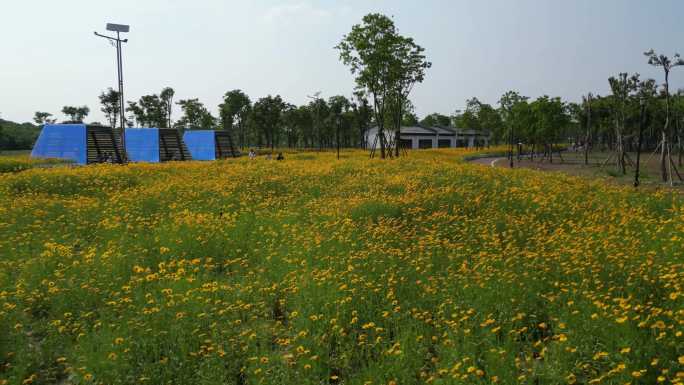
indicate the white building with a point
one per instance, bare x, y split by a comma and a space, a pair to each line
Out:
431, 137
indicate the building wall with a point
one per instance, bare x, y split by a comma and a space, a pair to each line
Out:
464, 139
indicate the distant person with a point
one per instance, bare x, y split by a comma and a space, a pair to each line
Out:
252, 154
280, 156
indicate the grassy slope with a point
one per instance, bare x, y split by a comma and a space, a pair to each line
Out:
313, 270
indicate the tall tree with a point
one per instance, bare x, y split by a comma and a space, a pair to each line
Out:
42, 118
587, 138
319, 111
234, 112
507, 105
339, 105
621, 87
363, 115
195, 115
369, 51
267, 116
645, 92
667, 64
110, 105
76, 114
409, 68
166, 96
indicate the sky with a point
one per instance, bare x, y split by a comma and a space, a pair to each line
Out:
49, 56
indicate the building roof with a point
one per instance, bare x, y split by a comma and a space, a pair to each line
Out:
434, 131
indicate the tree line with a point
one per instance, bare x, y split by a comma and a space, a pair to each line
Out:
637, 114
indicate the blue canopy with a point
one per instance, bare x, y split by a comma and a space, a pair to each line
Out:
201, 143
142, 144
65, 141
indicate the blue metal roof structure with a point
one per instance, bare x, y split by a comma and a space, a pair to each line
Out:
142, 144
155, 145
201, 143
64, 141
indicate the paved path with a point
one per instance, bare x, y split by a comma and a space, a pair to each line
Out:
489, 161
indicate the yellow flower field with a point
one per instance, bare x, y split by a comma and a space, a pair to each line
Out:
20, 162
312, 270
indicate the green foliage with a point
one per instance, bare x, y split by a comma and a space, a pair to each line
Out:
153, 110
41, 118
16, 136
111, 106
266, 116
386, 65
195, 115
436, 120
234, 112
75, 114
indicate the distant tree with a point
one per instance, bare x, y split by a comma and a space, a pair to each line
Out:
41, 118
137, 114
621, 87
291, 124
469, 119
410, 119
436, 120
509, 116
110, 105
166, 96
154, 109
363, 115
76, 114
667, 65
319, 112
588, 114
408, 68
490, 120
645, 93
339, 106
234, 112
550, 118
195, 115
267, 117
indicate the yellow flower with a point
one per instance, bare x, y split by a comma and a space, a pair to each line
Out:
625, 350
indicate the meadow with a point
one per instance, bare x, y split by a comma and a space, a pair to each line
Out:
312, 270
15, 161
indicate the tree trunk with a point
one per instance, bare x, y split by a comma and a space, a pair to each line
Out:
663, 163
642, 123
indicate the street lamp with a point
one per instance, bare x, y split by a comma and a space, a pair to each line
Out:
118, 28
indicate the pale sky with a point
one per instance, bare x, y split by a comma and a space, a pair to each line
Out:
49, 56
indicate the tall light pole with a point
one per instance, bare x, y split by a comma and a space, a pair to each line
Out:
119, 28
